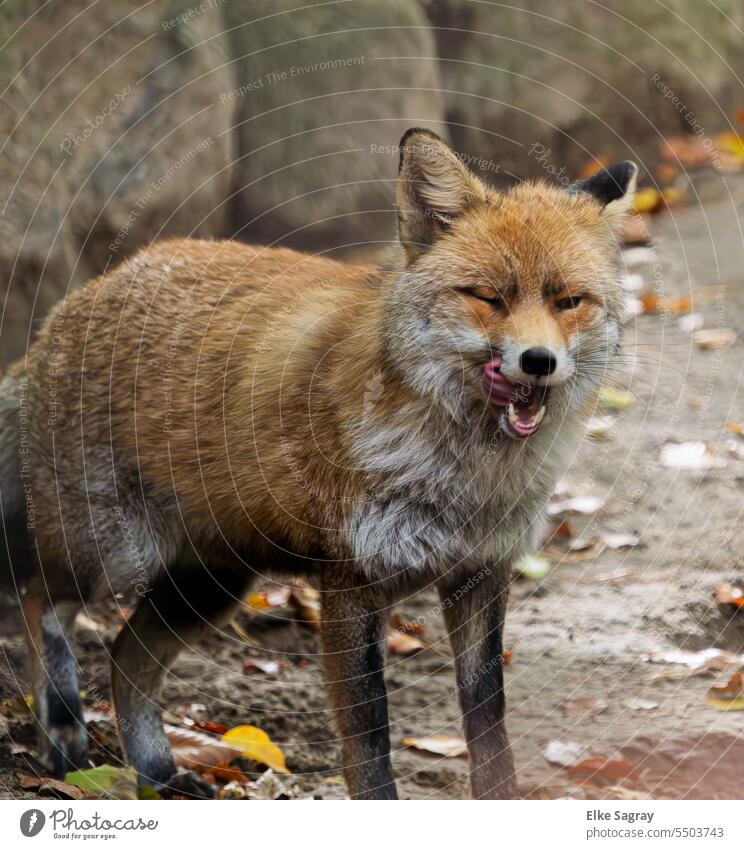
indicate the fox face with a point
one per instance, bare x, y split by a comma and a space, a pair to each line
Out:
509, 310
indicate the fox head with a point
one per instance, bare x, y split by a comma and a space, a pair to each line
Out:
508, 307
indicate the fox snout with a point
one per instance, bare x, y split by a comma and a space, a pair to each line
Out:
537, 364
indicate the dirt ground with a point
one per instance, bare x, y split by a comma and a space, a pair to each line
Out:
584, 632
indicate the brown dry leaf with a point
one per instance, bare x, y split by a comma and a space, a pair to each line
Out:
403, 644
439, 744
666, 172
728, 697
49, 786
507, 656
406, 627
714, 339
736, 428
593, 165
668, 306
689, 151
609, 770
586, 706
729, 597
197, 750
306, 602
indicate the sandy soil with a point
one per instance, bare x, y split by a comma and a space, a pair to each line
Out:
584, 632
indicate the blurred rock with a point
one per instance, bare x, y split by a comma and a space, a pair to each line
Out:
577, 80
111, 137
327, 92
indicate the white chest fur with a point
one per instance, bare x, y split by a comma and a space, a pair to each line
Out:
449, 499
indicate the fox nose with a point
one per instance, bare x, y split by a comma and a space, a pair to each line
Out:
538, 362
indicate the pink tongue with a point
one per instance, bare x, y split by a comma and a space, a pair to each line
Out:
499, 390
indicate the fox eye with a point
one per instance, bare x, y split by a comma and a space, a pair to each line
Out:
569, 303
487, 294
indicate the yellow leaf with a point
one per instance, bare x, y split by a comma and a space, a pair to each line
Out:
731, 143
615, 399
647, 200
256, 745
257, 601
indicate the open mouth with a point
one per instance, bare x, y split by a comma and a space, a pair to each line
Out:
524, 404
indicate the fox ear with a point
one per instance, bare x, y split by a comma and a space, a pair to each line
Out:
614, 188
433, 189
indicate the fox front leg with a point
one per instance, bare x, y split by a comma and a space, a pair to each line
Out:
353, 641
474, 613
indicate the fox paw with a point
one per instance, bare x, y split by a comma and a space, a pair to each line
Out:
189, 784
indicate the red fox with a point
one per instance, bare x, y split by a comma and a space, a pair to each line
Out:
209, 413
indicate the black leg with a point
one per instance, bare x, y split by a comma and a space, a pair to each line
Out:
353, 648
474, 612
182, 607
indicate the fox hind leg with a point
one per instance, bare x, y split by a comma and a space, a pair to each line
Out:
63, 740
185, 604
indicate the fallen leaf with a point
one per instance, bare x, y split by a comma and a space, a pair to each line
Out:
262, 664
256, 744
648, 200
611, 770
600, 427
640, 704
534, 567
583, 504
564, 754
666, 306
406, 627
688, 151
403, 644
728, 697
591, 166
729, 597
690, 456
197, 750
714, 339
615, 399
268, 787
507, 656
438, 744
736, 428
105, 781
666, 172
586, 706
49, 786
273, 597
617, 541
690, 322
731, 143
708, 659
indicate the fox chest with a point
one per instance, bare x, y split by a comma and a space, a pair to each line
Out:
394, 534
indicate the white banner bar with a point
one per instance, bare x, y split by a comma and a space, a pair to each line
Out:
340, 825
